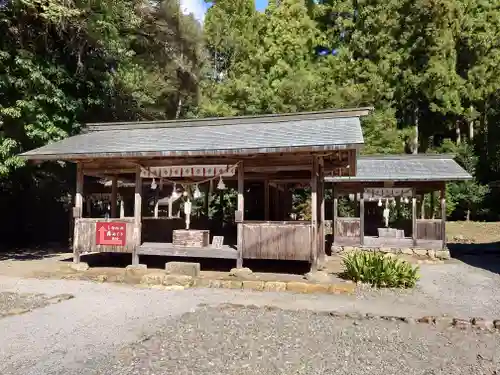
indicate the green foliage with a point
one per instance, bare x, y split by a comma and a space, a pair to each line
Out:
379, 270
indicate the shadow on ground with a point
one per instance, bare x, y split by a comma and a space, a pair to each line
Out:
21, 254
221, 265
482, 255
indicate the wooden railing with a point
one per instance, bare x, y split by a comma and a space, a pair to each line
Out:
85, 236
348, 227
285, 240
429, 229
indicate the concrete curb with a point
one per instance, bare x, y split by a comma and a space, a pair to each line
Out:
444, 321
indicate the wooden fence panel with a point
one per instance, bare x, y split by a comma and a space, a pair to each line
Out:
348, 227
274, 240
429, 229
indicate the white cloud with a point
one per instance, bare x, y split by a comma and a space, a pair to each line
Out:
197, 7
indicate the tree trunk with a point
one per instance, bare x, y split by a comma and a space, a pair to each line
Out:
467, 215
457, 132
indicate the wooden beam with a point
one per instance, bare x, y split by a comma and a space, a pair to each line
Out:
422, 206
443, 215
314, 215
335, 211
266, 200
77, 211
362, 219
321, 219
241, 214
114, 195
414, 218
137, 213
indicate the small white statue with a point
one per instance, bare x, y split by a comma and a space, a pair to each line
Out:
187, 212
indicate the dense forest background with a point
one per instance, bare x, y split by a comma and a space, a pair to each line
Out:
431, 69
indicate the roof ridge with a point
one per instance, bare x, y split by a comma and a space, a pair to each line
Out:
234, 120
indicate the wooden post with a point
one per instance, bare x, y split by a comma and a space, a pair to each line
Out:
422, 206
362, 219
276, 201
77, 211
206, 202
443, 215
114, 195
321, 196
314, 215
137, 214
155, 211
433, 214
266, 200
241, 214
414, 218
335, 212
210, 193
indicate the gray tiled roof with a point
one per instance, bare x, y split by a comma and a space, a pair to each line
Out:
420, 167
315, 131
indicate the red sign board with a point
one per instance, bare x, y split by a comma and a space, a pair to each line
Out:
110, 233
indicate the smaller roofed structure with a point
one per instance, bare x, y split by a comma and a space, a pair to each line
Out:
393, 201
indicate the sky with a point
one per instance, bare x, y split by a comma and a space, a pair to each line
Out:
199, 7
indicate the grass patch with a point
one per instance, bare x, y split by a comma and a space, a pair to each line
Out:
379, 270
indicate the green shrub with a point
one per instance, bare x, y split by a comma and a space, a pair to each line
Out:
379, 270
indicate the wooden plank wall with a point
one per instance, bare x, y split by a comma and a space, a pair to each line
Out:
348, 227
429, 229
280, 240
85, 236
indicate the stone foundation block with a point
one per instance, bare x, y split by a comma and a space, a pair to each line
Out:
80, 267
153, 278
240, 272
182, 280
297, 287
253, 285
231, 284
275, 286
183, 268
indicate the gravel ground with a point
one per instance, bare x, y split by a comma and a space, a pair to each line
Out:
248, 341
10, 301
80, 335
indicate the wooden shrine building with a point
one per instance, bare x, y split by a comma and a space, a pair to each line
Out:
178, 159
392, 201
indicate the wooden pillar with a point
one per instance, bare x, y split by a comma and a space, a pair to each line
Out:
422, 206
77, 210
335, 212
321, 219
240, 214
155, 210
432, 214
206, 202
362, 219
443, 215
414, 218
266, 200
137, 214
114, 195
314, 215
